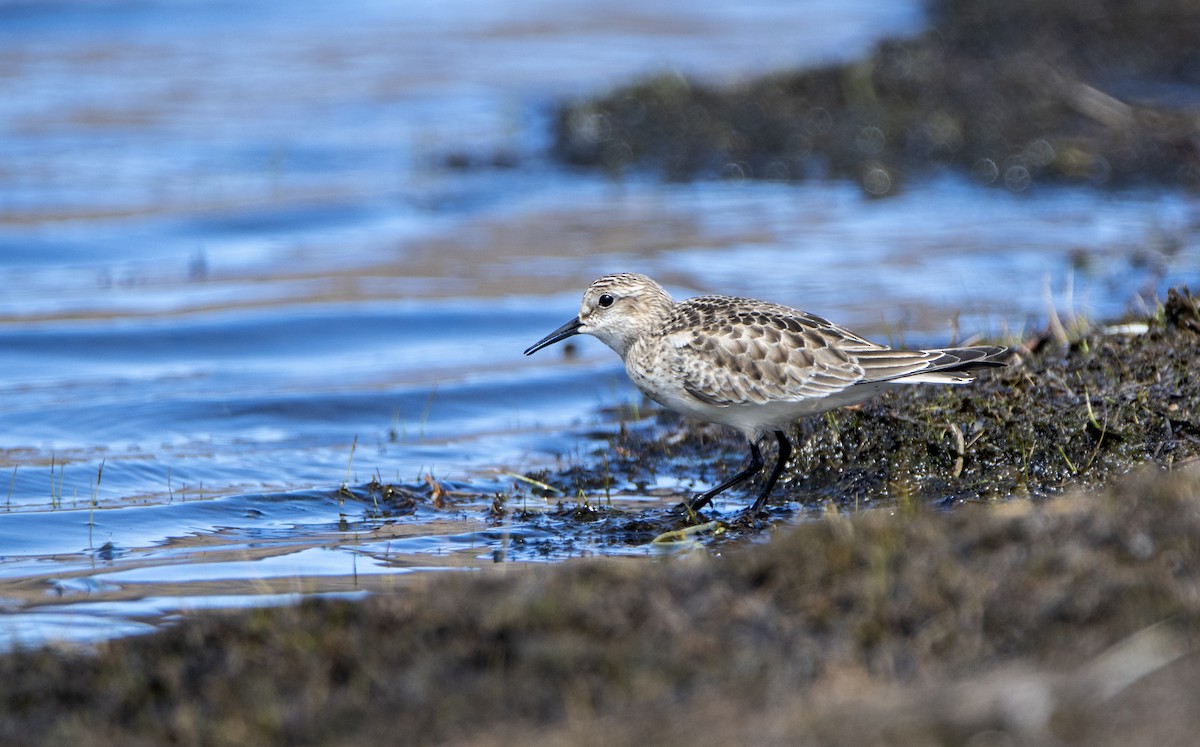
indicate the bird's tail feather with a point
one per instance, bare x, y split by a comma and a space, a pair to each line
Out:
935, 366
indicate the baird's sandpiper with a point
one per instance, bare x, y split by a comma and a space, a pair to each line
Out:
752, 365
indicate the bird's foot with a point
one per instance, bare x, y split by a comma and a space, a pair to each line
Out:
754, 516
689, 511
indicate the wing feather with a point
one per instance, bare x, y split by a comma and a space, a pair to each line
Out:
753, 352
730, 351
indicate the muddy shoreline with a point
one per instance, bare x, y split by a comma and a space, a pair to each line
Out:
1013, 562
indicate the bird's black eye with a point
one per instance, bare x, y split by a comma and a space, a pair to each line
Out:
605, 301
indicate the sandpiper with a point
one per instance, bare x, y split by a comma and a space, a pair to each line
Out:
752, 365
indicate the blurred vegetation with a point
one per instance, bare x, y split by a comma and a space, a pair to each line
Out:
1102, 93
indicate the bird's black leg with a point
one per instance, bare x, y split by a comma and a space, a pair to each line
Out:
785, 452
756, 463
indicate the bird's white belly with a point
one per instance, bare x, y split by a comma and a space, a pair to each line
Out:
752, 419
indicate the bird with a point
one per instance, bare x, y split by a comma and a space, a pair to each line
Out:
752, 365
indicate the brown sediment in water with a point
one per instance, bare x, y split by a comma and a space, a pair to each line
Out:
1011, 92
1066, 621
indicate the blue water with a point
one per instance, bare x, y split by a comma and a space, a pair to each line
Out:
239, 268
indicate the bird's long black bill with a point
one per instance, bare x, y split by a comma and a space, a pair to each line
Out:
570, 329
